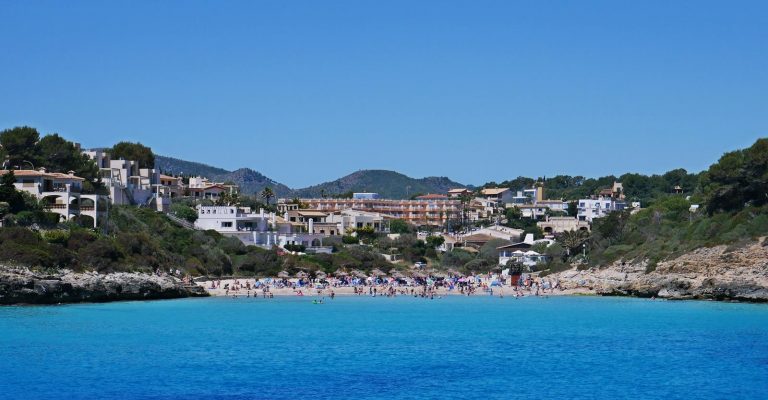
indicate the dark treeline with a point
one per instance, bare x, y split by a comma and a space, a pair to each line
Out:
637, 187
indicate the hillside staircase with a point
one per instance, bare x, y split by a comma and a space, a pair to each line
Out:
181, 222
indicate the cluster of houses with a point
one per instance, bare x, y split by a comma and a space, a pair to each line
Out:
125, 183
294, 227
310, 222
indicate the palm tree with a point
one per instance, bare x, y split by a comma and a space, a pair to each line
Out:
267, 194
465, 199
572, 240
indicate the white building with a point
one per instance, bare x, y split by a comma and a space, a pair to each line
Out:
129, 184
352, 219
589, 209
499, 195
521, 253
61, 194
257, 229
202, 188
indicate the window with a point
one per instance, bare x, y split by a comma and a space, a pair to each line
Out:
226, 224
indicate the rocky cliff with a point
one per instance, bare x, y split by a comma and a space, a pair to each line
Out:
23, 286
716, 273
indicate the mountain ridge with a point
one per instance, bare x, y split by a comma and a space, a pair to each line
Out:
389, 184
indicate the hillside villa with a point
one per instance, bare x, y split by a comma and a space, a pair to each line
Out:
61, 194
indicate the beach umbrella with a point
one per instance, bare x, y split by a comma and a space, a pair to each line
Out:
283, 275
398, 275
340, 272
378, 272
301, 274
321, 275
359, 274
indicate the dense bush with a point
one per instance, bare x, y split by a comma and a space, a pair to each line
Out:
184, 211
295, 247
349, 239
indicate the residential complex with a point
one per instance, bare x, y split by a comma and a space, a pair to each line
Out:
417, 212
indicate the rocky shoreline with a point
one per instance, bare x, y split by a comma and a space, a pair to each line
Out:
24, 286
714, 273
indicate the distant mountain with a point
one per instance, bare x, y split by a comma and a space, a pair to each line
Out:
388, 184
250, 181
174, 166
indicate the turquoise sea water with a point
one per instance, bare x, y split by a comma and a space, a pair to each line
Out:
386, 348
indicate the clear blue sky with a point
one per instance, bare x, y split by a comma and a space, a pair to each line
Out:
308, 91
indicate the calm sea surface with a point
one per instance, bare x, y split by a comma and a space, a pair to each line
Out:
379, 348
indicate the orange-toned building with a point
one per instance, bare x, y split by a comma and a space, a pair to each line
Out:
417, 212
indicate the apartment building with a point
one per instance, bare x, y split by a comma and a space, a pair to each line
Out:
417, 212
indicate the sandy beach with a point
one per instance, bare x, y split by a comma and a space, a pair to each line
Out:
240, 287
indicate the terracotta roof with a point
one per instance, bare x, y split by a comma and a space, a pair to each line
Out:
51, 175
206, 188
494, 191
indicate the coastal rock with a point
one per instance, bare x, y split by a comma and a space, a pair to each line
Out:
715, 273
23, 286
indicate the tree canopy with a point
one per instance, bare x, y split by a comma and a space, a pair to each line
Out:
740, 177
20, 146
26, 150
60, 155
133, 151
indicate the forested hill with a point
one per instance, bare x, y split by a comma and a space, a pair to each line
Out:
175, 166
388, 184
250, 181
